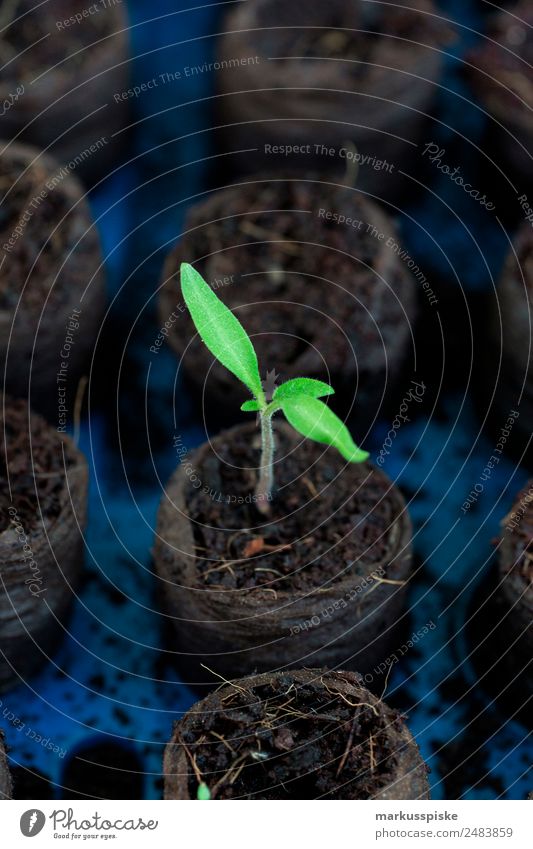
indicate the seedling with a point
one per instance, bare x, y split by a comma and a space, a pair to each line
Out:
298, 399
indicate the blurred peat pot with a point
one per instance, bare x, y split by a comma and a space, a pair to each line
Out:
61, 62
43, 504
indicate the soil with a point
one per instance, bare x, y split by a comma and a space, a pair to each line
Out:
505, 61
505, 379
321, 581
319, 298
17, 37
31, 467
5, 778
328, 85
502, 77
56, 81
306, 735
324, 520
503, 653
59, 243
517, 562
41, 547
50, 269
329, 36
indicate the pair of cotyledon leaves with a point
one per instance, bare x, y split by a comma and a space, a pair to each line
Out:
298, 399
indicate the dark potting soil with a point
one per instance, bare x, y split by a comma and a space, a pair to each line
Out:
269, 253
523, 264
25, 23
329, 35
327, 518
281, 741
41, 203
506, 60
32, 472
519, 536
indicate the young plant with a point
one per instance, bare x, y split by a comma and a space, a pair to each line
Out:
298, 399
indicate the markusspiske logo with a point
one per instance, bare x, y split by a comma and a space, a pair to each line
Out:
32, 822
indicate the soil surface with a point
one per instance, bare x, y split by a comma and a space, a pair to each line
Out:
25, 64
32, 471
5, 778
329, 35
45, 259
307, 735
519, 537
325, 516
506, 61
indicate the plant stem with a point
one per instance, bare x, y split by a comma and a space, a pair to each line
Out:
263, 490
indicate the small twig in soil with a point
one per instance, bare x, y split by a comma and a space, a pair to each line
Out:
372, 758
310, 486
224, 741
221, 566
192, 758
345, 699
348, 747
387, 581
267, 569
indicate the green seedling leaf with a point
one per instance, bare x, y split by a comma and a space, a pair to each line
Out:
251, 407
220, 330
302, 386
312, 418
203, 794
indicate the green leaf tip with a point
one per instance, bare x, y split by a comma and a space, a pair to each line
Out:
313, 419
203, 794
221, 332
251, 406
302, 386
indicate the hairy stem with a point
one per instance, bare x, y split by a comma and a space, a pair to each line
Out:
263, 490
